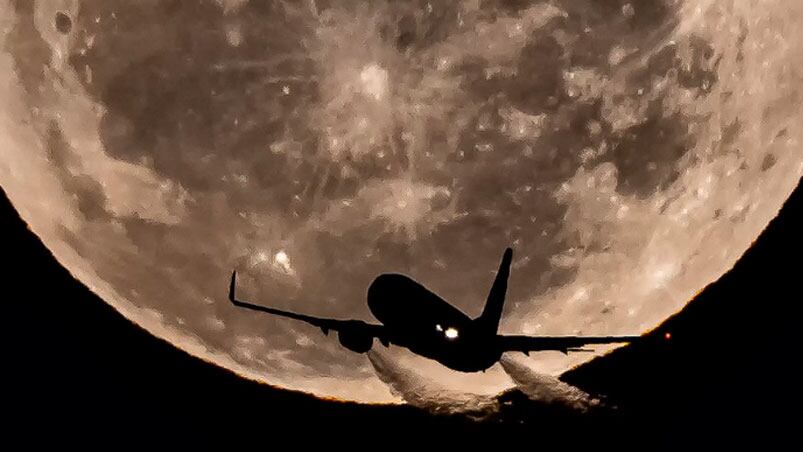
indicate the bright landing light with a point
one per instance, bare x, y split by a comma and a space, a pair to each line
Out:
450, 333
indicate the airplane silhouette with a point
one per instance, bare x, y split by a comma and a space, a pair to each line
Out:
414, 317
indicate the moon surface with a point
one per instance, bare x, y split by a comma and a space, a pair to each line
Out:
629, 151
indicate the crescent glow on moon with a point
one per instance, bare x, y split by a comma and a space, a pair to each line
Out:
629, 154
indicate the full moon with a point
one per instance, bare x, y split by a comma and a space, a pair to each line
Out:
629, 152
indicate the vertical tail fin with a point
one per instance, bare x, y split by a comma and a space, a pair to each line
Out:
489, 320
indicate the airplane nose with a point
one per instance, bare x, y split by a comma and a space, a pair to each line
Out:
386, 284
384, 292
377, 287
376, 292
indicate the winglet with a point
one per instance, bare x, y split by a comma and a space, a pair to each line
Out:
231, 286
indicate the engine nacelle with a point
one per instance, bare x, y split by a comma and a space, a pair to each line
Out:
356, 341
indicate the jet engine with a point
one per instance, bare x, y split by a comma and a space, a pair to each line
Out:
355, 340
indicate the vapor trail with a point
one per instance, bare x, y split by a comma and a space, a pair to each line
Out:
430, 395
546, 388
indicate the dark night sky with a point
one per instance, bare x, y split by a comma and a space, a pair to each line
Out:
728, 376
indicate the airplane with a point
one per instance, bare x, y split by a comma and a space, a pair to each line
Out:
414, 317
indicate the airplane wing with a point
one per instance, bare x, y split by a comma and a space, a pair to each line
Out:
562, 344
348, 326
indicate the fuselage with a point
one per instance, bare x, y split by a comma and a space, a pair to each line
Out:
426, 324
